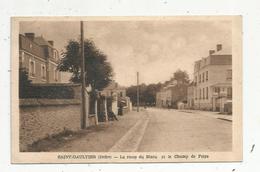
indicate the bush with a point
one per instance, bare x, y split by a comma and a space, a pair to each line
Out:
28, 90
48, 92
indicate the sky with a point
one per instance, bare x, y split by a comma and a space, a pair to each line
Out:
154, 48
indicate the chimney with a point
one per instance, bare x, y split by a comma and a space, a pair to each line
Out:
51, 42
219, 47
211, 52
30, 36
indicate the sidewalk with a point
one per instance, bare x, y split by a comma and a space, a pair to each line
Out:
209, 114
99, 138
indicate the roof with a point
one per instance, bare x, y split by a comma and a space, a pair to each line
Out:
192, 84
169, 86
25, 44
225, 51
227, 84
41, 41
113, 85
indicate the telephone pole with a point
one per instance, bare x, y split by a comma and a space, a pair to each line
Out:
137, 91
83, 78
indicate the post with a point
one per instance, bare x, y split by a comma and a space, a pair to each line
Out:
83, 79
96, 113
105, 106
137, 101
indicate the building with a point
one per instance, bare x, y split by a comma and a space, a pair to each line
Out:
172, 94
114, 88
212, 88
113, 92
39, 58
163, 97
114, 99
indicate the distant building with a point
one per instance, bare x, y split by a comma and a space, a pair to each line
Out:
213, 80
114, 88
39, 58
116, 99
172, 94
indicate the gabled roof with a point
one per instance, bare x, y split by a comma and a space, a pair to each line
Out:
26, 43
41, 41
225, 51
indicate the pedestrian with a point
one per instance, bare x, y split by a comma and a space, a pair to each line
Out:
112, 115
120, 109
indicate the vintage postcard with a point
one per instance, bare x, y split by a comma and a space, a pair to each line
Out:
126, 89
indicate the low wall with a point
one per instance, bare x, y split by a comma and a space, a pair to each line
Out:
203, 106
41, 118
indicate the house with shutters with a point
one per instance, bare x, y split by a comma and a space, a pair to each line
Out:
171, 94
212, 85
39, 57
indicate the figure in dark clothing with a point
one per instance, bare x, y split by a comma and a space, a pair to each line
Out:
111, 115
120, 109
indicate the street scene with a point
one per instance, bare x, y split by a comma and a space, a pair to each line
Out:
125, 86
157, 130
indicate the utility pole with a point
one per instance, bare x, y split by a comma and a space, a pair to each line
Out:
137, 91
83, 78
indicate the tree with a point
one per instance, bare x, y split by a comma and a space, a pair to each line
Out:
179, 91
147, 93
99, 72
181, 76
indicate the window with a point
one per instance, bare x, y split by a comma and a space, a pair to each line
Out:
200, 93
207, 92
55, 54
199, 78
30, 45
203, 91
43, 71
207, 75
22, 56
32, 68
121, 94
203, 77
195, 94
229, 92
229, 74
217, 90
56, 74
195, 79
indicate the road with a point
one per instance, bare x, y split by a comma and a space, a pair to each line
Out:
156, 130
173, 131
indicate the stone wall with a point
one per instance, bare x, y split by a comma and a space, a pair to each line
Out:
38, 122
42, 118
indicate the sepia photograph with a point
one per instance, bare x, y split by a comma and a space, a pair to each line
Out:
126, 89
